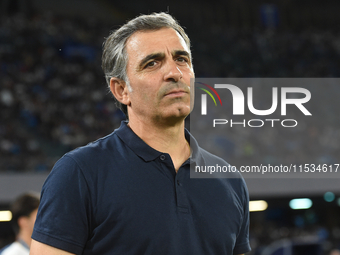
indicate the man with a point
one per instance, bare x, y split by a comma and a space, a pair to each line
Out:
24, 212
131, 192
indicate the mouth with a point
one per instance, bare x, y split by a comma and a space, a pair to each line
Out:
176, 93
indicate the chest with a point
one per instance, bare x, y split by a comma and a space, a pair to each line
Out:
159, 209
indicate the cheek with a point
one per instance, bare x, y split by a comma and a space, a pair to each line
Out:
145, 93
146, 97
192, 98
140, 96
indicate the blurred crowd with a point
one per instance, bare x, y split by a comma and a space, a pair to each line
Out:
53, 95
316, 240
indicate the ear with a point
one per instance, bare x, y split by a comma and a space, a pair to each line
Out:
120, 90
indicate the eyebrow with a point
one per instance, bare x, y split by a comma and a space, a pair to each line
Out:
149, 57
181, 53
162, 55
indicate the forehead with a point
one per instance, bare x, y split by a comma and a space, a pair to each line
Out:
142, 43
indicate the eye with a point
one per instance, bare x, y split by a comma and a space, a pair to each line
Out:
182, 59
150, 64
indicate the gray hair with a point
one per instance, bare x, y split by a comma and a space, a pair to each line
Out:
115, 58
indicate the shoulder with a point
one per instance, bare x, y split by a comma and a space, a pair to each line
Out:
212, 160
81, 165
208, 165
93, 154
101, 147
94, 162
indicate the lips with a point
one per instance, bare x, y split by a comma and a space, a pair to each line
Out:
176, 93
174, 89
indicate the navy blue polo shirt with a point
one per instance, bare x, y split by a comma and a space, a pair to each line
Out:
120, 196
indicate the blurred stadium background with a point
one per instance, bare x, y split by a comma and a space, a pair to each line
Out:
53, 96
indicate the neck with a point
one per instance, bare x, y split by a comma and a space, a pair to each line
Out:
25, 237
164, 137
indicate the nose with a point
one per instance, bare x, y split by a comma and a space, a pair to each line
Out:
173, 72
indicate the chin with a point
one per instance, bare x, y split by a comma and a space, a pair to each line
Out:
179, 114
175, 112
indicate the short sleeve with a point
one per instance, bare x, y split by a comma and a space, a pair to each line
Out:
242, 242
63, 219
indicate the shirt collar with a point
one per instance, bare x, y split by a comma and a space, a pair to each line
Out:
135, 143
147, 153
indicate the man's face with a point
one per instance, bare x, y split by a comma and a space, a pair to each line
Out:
159, 70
